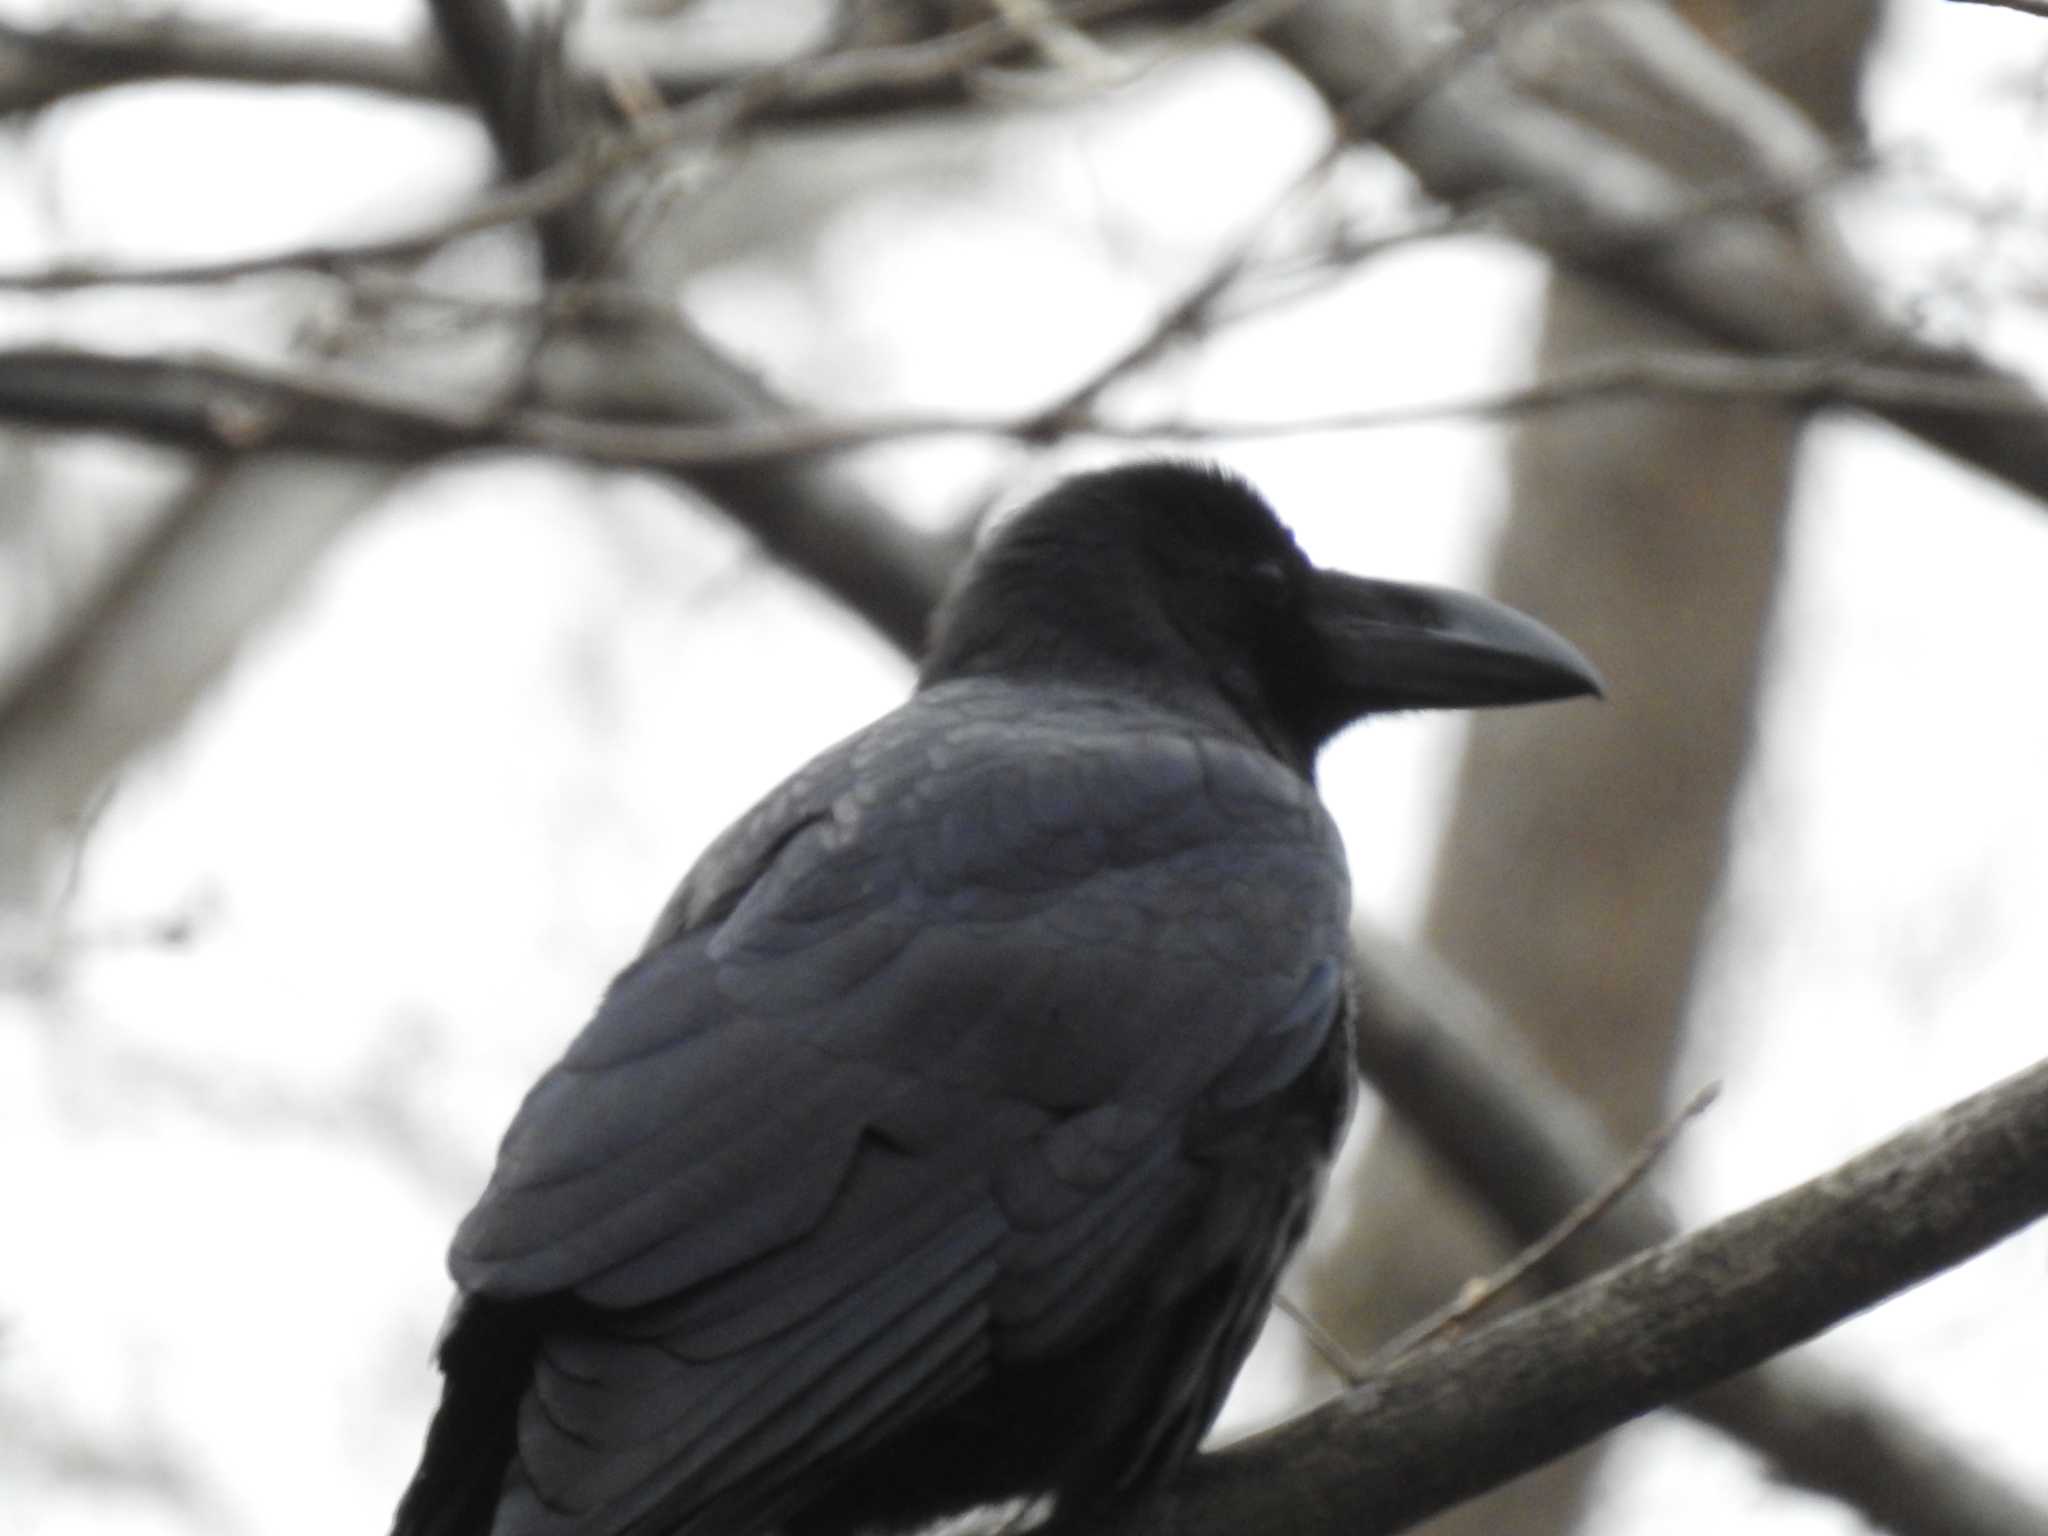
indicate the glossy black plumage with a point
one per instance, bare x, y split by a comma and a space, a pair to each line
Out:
945, 1141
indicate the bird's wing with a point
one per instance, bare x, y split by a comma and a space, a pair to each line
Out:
906, 1086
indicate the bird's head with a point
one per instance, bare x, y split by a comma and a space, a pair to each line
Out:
1177, 582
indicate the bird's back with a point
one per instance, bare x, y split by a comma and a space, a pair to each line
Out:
942, 1145
945, 1141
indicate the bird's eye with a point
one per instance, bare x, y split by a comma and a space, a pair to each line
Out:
1271, 582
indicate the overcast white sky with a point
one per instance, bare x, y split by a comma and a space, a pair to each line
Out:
434, 805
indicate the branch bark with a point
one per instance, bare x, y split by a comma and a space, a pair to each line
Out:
1461, 1077
814, 519
507, 73
61, 732
1747, 278
897, 63
211, 403
1465, 1415
1619, 817
43, 65
1744, 277
844, 542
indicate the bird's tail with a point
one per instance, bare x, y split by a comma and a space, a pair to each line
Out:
486, 1358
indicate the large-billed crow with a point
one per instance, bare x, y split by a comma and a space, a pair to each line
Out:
944, 1143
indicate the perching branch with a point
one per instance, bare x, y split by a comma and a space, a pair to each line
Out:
1478, 1295
1468, 1413
889, 575
1454, 1071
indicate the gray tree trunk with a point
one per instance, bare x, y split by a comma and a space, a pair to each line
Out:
1585, 844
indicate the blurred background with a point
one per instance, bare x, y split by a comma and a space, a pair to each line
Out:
396, 593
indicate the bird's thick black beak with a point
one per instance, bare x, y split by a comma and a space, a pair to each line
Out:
1393, 646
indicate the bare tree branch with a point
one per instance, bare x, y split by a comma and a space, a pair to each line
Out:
1482, 1293
127, 664
537, 197
902, 65
740, 444
819, 524
552, 176
1741, 277
1458, 1075
549, 177
1479, 1294
507, 74
1747, 279
42, 65
1216, 295
137, 654
160, 629
1468, 1413
211, 403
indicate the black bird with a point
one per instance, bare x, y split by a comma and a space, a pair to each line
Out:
944, 1143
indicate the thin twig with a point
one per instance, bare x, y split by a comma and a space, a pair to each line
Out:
1460, 1076
1816, 380
1756, 283
382, 288
1190, 313
809, 81
1470, 1412
1342, 1363
71, 58
1057, 40
1482, 1293
1115, 69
